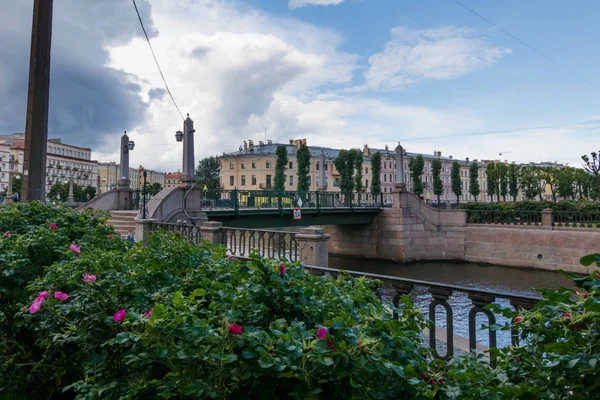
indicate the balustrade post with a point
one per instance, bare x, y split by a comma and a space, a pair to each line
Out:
402, 289
479, 301
440, 296
547, 218
143, 229
312, 246
211, 232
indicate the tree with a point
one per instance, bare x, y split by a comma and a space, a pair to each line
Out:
539, 173
60, 191
358, 174
550, 176
207, 173
530, 182
566, 183
592, 166
16, 185
416, 166
438, 186
91, 191
474, 188
280, 167
502, 173
513, 180
492, 180
303, 161
376, 171
456, 181
157, 187
344, 163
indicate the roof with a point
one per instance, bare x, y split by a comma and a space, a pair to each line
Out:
173, 175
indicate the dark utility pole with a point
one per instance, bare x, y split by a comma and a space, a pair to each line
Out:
36, 126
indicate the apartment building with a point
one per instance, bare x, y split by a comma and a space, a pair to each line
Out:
172, 179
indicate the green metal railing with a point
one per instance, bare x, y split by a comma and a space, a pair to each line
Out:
576, 219
212, 200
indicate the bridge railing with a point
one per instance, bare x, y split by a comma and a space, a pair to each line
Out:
441, 295
270, 244
504, 217
193, 233
213, 200
576, 219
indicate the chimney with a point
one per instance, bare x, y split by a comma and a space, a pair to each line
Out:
450, 157
261, 143
435, 153
245, 146
366, 150
475, 160
250, 145
292, 141
467, 159
386, 147
304, 141
439, 153
269, 141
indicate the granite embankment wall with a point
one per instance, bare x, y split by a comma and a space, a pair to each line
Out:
412, 231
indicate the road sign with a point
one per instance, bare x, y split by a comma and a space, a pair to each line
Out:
297, 214
205, 188
299, 203
428, 195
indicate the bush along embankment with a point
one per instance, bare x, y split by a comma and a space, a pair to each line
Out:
88, 315
563, 205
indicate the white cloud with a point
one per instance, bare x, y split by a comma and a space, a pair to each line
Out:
303, 3
416, 55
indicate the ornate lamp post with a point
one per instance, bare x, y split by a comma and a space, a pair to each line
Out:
126, 146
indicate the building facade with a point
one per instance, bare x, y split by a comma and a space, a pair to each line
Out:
172, 179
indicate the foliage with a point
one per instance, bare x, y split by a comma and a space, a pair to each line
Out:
218, 328
492, 181
416, 166
456, 181
207, 173
474, 188
345, 163
591, 166
16, 185
358, 171
376, 173
280, 167
156, 187
502, 174
438, 186
564, 205
60, 191
565, 184
303, 161
513, 180
530, 182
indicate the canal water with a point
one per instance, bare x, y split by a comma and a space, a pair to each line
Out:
516, 281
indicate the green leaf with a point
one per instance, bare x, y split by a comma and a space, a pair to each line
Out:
589, 259
414, 381
198, 293
353, 383
247, 355
572, 363
328, 361
265, 363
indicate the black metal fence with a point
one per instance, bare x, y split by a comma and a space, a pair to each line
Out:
270, 199
269, 244
504, 217
440, 294
576, 219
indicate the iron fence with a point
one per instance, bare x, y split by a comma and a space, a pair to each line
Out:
504, 217
440, 293
139, 199
192, 233
270, 244
217, 199
576, 219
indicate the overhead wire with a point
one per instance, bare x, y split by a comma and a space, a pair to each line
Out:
546, 56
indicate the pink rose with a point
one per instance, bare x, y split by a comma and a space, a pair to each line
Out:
230, 257
36, 305
321, 333
120, 315
148, 313
110, 236
89, 278
74, 248
566, 315
518, 319
7, 234
61, 296
53, 227
235, 329
282, 269
43, 295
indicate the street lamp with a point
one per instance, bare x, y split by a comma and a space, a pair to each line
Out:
179, 136
130, 145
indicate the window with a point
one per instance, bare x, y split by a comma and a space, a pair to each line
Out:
254, 164
385, 190
325, 166
317, 179
268, 181
254, 180
366, 170
366, 183
243, 164
243, 180
336, 182
384, 177
317, 166
269, 163
384, 165
231, 180
291, 165
231, 165
291, 180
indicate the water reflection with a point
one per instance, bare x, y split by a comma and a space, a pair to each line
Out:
507, 280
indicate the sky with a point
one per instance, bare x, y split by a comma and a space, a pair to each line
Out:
341, 73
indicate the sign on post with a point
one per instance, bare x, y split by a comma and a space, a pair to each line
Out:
297, 213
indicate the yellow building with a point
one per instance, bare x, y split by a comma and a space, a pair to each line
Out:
172, 179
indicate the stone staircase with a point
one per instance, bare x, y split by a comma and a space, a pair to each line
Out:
123, 221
